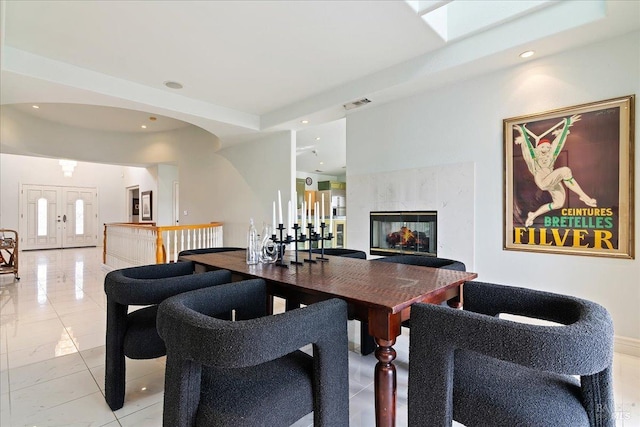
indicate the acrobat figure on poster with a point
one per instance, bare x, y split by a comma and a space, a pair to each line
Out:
540, 159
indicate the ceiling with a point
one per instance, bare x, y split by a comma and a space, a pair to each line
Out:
250, 67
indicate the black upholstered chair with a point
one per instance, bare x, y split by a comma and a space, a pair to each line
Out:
348, 253
250, 372
481, 370
425, 261
208, 250
134, 334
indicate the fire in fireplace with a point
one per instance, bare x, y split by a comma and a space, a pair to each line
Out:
412, 232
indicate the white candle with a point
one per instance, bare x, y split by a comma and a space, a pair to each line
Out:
315, 215
274, 218
295, 207
303, 215
289, 218
309, 206
279, 208
330, 219
322, 207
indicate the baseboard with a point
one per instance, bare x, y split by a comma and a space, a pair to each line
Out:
626, 345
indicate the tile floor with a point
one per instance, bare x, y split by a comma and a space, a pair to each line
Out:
52, 327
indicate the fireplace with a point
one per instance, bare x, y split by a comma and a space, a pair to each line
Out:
412, 232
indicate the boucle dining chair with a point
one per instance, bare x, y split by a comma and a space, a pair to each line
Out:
424, 261
134, 334
342, 252
200, 251
250, 371
483, 370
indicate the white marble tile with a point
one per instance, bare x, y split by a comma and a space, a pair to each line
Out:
95, 327
94, 356
49, 369
150, 416
27, 401
89, 341
5, 411
79, 307
4, 362
4, 381
85, 411
41, 352
32, 334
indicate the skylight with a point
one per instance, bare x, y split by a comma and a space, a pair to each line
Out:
455, 19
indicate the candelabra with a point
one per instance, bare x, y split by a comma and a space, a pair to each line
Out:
281, 239
280, 244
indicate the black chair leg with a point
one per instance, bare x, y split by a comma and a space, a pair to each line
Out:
115, 359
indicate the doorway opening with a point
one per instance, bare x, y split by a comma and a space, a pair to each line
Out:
133, 204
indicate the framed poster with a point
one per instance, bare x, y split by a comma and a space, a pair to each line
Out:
568, 180
147, 214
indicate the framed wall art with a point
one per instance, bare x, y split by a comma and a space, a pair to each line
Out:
146, 206
568, 180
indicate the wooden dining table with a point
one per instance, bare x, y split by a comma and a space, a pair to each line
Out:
378, 292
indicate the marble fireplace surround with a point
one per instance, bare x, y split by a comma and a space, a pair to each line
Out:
448, 189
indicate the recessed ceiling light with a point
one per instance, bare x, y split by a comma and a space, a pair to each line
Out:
322, 163
173, 85
36, 106
317, 138
527, 54
304, 122
143, 126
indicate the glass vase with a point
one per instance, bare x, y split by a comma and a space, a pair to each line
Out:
268, 248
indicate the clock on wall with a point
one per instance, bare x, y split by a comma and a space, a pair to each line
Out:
308, 181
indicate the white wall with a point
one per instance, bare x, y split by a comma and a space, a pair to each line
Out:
110, 181
167, 175
229, 185
237, 183
459, 129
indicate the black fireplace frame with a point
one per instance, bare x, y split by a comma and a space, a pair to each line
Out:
405, 217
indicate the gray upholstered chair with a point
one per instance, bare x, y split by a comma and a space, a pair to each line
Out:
250, 371
348, 253
134, 334
481, 370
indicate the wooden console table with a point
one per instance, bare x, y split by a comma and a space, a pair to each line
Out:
379, 292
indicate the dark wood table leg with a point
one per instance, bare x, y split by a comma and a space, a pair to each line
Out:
458, 300
385, 384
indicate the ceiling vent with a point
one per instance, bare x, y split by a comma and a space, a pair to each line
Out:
356, 104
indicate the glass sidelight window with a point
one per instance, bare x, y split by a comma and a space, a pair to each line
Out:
79, 216
42, 216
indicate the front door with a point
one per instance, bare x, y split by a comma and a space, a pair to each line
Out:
58, 217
